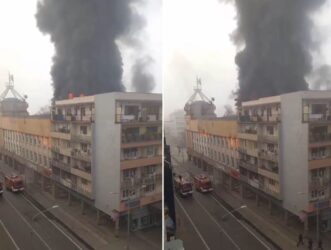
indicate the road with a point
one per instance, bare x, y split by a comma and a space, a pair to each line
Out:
200, 224
18, 230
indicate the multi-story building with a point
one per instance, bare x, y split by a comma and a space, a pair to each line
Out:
25, 145
212, 145
107, 149
285, 152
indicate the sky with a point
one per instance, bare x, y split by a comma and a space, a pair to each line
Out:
27, 53
197, 44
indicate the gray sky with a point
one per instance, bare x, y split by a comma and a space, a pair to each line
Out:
197, 43
27, 54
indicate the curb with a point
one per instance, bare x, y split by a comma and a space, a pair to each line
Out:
55, 218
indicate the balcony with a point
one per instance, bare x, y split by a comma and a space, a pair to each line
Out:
136, 118
131, 140
268, 174
247, 136
323, 117
259, 118
81, 155
130, 183
61, 165
82, 138
141, 162
81, 173
319, 163
249, 166
268, 138
61, 150
319, 183
248, 151
319, 140
61, 135
269, 156
271, 192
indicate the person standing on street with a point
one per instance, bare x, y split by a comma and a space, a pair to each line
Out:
300, 241
320, 245
310, 244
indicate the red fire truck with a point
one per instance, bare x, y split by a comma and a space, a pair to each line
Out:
183, 186
202, 183
14, 183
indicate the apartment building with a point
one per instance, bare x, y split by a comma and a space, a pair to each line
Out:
25, 145
285, 152
107, 149
212, 145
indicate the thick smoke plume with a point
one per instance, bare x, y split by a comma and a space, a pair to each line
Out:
320, 78
274, 40
87, 59
142, 81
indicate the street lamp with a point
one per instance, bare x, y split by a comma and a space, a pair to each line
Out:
230, 212
42, 211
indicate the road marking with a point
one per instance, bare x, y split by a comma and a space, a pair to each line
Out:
241, 223
41, 239
194, 226
9, 235
216, 222
56, 226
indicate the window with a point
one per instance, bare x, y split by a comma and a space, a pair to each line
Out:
129, 173
83, 147
128, 192
149, 169
84, 182
83, 130
270, 130
130, 153
151, 151
131, 110
150, 188
82, 111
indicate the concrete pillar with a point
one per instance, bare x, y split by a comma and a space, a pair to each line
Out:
270, 206
230, 183
117, 226
305, 225
241, 190
82, 206
43, 183
53, 190
98, 217
69, 199
286, 217
257, 200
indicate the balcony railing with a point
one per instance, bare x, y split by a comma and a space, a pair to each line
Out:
76, 153
319, 138
268, 138
129, 138
73, 118
308, 117
248, 165
81, 138
267, 155
259, 118
134, 118
319, 183
62, 165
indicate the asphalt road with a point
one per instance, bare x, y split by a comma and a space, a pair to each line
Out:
18, 230
200, 225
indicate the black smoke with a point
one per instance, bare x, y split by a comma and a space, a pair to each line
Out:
274, 40
142, 80
84, 32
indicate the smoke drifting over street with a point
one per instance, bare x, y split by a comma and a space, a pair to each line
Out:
274, 41
142, 80
84, 32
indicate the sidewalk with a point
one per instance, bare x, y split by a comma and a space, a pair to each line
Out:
85, 228
258, 217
